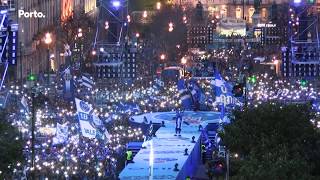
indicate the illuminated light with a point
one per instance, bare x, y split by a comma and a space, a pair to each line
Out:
162, 56
183, 61
48, 38
106, 25
158, 5
94, 52
116, 4
145, 14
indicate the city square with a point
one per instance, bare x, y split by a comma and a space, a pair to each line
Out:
159, 89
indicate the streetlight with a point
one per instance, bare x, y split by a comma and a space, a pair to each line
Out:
79, 35
93, 52
145, 14
184, 62
184, 18
137, 35
158, 5
162, 56
116, 4
48, 41
170, 27
80, 32
277, 64
106, 25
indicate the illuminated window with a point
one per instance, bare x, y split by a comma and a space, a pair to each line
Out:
238, 13
251, 11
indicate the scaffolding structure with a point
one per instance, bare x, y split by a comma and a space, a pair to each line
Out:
301, 58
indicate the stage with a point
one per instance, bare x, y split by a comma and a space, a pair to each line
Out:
158, 159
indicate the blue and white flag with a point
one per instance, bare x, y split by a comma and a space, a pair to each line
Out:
197, 92
185, 95
88, 120
130, 108
68, 86
61, 134
86, 81
222, 90
24, 103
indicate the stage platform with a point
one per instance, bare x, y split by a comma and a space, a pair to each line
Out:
158, 159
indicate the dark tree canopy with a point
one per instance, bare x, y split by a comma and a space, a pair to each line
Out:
274, 142
142, 5
10, 146
168, 41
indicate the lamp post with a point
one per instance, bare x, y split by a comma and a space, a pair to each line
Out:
48, 41
79, 36
277, 64
158, 5
184, 62
170, 27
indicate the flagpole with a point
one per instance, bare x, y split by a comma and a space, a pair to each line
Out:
32, 134
245, 92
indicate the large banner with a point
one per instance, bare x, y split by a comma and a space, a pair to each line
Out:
61, 134
68, 84
88, 120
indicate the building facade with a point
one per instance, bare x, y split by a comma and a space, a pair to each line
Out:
199, 36
118, 64
233, 8
271, 34
301, 58
33, 56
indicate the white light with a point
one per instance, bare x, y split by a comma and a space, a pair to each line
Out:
116, 4
145, 14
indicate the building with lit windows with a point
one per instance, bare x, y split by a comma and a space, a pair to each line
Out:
117, 64
199, 36
271, 34
301, 57
32, 51
240, 9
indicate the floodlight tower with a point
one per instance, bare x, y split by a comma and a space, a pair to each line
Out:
303, 52
112, 23
8, 39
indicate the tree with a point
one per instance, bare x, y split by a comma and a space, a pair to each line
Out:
274, 141
10, 147
168, 41
142, 5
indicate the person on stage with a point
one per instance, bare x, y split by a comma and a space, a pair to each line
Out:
179, 115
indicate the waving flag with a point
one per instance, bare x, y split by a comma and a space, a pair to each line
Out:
24, 103
223, 91
86, 81
185, 95
127, 107
68, 86
61, 134
89, 122
197, 92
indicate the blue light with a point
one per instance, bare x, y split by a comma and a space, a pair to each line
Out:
116, 4
297, 1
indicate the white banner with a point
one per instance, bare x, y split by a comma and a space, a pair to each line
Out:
88, 120
61, 134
